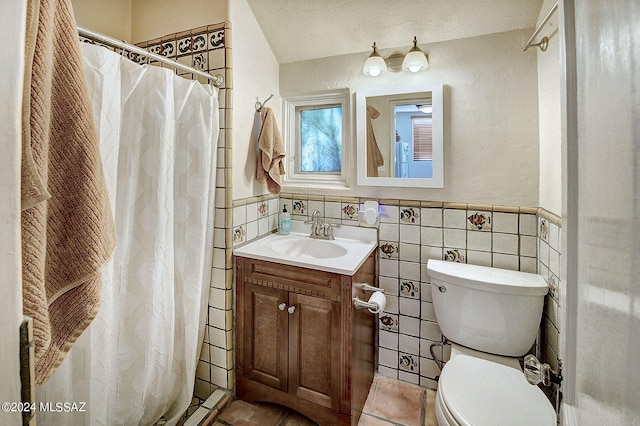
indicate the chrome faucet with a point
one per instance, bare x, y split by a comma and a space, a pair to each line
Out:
321, 230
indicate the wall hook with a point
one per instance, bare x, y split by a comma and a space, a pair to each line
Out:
259, 104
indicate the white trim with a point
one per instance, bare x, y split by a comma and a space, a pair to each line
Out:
568, 415
437, 181
294, 179
570, 218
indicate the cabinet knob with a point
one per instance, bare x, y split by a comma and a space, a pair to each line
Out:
291, 309
282, 306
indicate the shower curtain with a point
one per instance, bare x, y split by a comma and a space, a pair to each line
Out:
158, 138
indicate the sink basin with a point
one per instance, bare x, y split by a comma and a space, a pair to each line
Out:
344, 255
318, 249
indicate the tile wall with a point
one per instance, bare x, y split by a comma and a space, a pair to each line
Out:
549, 266
410, 233
208, 49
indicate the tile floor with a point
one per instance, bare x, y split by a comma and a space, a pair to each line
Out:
390, 402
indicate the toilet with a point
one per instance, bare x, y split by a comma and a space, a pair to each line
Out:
491, 316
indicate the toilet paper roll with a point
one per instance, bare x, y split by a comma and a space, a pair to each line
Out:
378, 298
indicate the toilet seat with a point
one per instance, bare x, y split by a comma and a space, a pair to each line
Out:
475, 391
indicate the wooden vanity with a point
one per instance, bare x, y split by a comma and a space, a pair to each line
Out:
299, 341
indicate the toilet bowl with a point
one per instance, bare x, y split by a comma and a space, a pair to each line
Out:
480, 389
491, 316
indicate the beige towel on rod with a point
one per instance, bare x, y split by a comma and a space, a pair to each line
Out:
271, 153
68, 234
374, 156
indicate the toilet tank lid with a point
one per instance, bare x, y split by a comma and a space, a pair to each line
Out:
487, 278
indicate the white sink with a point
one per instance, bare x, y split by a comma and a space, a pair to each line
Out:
344, 255
307, 247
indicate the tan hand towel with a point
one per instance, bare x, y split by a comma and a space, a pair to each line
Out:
374, 156
271, 153
68, 238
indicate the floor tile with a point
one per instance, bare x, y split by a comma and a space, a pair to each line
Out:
390, 402
430, 418
297, 419
395, 401
241, 413
367, 420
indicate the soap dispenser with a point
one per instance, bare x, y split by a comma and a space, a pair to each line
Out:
284, 222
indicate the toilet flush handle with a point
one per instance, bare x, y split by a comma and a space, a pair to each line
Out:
536, 372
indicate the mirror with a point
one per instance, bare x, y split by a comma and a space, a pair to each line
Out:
400, 136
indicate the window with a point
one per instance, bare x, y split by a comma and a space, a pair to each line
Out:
422, 138
316, 128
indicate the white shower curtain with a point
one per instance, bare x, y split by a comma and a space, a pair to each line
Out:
158, 136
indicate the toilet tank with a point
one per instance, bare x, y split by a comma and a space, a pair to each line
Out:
488, 309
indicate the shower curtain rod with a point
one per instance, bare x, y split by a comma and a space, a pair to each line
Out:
543, 43
217, 79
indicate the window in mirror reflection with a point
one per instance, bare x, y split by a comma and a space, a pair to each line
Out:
413, 142
320, 139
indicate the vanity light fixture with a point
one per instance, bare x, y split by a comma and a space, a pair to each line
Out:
415, 60
375, 65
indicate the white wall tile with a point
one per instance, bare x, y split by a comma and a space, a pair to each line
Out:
389, 232
388, 268
409, 325
479, 240
409, 307
528, 224
431, 236
409, 344
252, 212
506, 261
390, 285
410, 252
454, 218
505, 222
528, 246
389, 214
431, 217
410, 271
430, 330
239, 215
482, 258
455, 238
388, 340
388, 358
409, 234
505, 243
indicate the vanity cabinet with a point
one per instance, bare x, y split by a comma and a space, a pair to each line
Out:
299, 341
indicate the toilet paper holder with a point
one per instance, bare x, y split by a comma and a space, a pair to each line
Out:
362, 304
367, 287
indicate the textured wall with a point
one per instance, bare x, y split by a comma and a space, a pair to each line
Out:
155, 18
112, 18
549, 73
491, 115
256, 69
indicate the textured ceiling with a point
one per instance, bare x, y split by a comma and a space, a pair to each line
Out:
299, 30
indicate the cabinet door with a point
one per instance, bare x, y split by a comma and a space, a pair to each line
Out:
314, 350
266, 337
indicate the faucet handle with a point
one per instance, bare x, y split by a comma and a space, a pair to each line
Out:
328, 231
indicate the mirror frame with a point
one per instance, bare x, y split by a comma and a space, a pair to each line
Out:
437, 180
